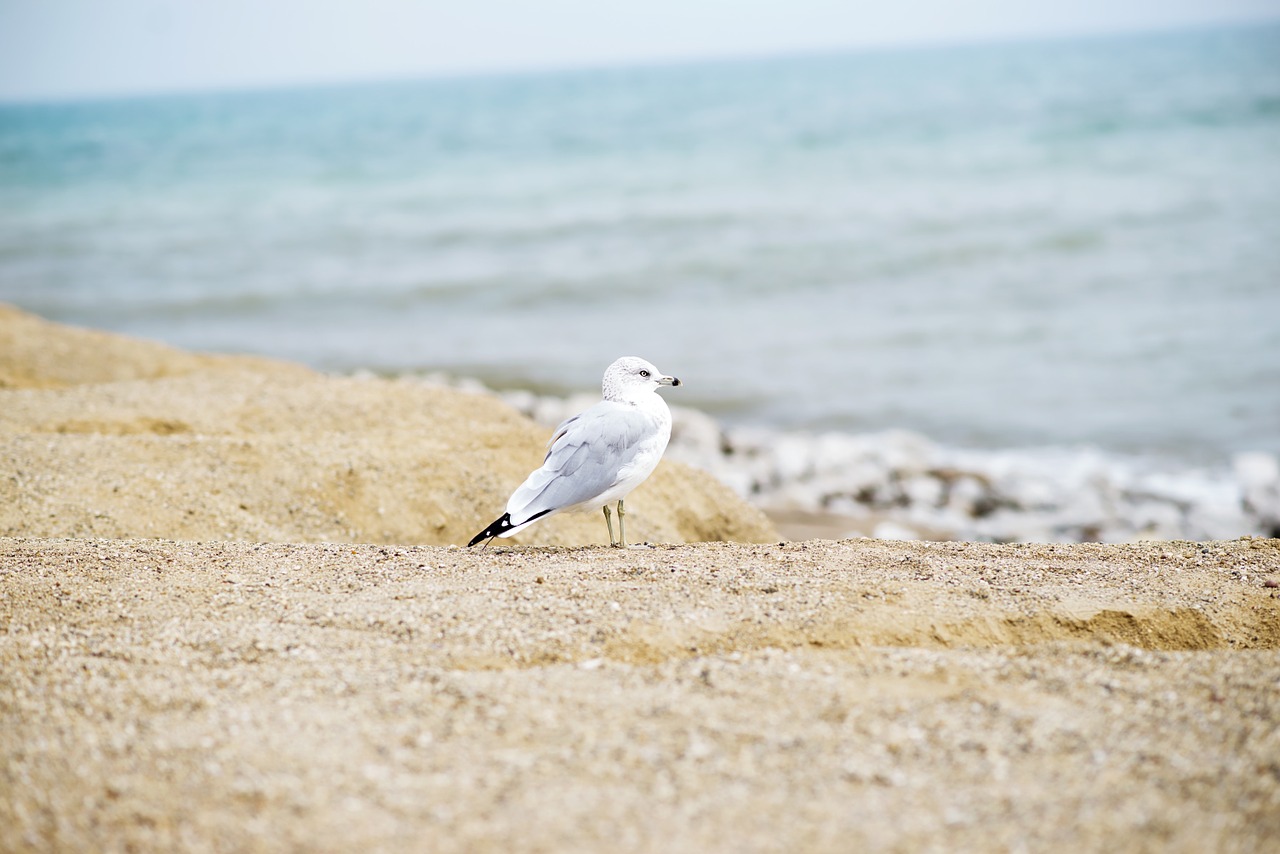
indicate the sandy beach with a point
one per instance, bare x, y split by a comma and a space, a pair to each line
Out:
234, 616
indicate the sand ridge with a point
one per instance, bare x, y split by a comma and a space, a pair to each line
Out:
176, 445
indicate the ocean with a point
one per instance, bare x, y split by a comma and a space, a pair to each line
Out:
1061, 244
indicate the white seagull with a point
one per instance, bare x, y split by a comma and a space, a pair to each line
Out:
598, 456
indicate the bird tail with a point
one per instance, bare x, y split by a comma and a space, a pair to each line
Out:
500, 526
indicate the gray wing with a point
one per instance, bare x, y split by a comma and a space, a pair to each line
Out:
588, 454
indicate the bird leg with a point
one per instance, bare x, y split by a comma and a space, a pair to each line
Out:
608, 520
622, 537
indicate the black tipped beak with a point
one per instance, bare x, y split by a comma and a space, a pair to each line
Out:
671, 381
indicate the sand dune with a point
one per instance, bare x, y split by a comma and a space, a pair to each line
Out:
103, 436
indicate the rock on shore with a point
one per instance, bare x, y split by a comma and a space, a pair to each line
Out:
901, 485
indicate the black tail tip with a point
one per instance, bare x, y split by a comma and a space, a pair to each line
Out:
499, 525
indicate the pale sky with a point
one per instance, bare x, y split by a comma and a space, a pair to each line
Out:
71, 48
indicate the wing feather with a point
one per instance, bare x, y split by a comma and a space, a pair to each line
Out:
588, 455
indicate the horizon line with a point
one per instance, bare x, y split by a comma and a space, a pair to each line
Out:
633, 64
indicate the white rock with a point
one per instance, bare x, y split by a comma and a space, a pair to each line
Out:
838, 452
965, 494
524, 401
904, 451
1219, 515
1258, 474
792, 456
846, 506
695, 432
1154, 519
1256, 470
889, 530
1088, 507
923, 491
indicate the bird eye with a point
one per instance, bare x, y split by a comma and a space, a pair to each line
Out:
644, 373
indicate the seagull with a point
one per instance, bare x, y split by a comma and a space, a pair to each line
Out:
598, 456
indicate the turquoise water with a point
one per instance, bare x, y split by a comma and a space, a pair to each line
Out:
1066, 243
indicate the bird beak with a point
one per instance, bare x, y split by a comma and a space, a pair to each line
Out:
673, 381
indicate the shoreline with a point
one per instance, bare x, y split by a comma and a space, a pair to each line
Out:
94, 394
897, 484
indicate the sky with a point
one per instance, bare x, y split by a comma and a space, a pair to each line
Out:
53, 49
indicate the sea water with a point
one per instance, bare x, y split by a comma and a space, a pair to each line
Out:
1069, 244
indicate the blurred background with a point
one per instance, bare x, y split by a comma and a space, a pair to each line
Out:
1043, 242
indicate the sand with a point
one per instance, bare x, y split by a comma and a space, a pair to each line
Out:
182, 446
209, 642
